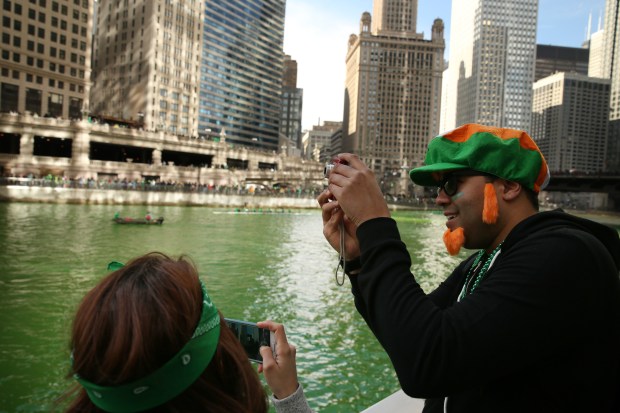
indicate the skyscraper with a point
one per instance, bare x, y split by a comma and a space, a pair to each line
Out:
392, 91
491, 65
146, 63
611, 70
569, 121
553, 59
241, 71
595, 61
292, 104
45, 58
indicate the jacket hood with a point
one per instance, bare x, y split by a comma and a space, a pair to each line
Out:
556, 219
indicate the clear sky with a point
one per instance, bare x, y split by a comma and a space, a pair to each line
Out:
317, 31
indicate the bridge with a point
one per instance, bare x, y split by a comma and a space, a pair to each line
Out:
603, 183
584, 183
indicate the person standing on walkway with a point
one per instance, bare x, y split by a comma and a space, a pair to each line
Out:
528, 323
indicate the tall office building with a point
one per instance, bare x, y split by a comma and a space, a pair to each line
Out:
393, 89
569, 121
595, 61
554, 59
292, 104
45, 60
241, 73
146, 63
491, 65
611, 69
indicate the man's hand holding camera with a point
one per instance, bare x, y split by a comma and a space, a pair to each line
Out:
352, 196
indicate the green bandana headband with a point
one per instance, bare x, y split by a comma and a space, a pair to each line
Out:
169, 380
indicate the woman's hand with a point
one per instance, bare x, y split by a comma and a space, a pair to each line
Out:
281, 371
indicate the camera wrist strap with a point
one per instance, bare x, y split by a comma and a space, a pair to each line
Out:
342, 257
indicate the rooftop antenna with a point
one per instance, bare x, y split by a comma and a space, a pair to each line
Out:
589, 29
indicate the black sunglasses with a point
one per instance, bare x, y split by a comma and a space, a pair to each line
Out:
450, 182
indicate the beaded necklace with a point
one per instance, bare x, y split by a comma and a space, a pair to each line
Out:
474, 267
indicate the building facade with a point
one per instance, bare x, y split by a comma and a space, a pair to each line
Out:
569, 121
292, 104
317, 142
241, 71
611, 70
491, 64
146, 63
46, 57
392, 90
595, 61
554, 59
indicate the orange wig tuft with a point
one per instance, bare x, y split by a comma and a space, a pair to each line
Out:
454, 240
490, 210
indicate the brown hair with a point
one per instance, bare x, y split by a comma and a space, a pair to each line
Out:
139, 317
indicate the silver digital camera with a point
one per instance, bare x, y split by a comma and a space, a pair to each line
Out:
331, 165
328, 169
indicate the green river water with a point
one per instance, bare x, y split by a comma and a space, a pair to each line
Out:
275, 266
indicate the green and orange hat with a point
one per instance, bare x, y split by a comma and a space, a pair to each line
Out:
509, 154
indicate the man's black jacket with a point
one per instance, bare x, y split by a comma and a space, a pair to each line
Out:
541, 333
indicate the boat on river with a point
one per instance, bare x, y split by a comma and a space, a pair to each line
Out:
138, 221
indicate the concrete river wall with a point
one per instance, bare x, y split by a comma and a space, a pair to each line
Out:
16, 193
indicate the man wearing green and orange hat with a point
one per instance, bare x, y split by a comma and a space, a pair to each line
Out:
528, 323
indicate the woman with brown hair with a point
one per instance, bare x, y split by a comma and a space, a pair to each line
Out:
149, 338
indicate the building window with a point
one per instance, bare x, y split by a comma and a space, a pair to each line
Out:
33, 101
75, 108
8, 97
54, 104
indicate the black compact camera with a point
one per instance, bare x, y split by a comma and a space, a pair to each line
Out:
251, 338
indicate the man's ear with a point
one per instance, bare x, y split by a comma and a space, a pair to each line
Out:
510, 190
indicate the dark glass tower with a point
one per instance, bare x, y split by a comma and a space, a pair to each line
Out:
241, 72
